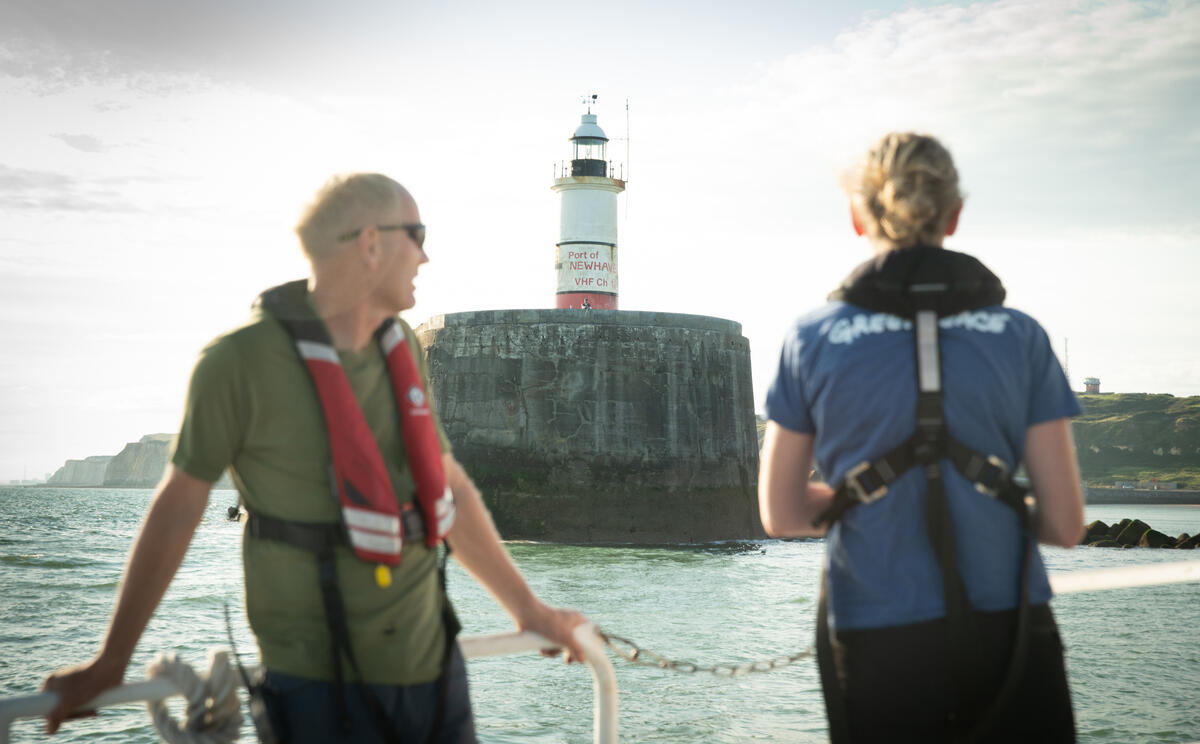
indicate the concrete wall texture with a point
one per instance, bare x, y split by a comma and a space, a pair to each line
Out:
601, 426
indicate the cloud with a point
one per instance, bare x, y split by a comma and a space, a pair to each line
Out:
1119, 58
81, 142
50, 67
24, 190
1097, 94
152, 45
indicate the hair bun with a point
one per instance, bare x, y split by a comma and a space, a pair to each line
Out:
906, 189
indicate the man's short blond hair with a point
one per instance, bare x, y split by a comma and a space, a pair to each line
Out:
345, 203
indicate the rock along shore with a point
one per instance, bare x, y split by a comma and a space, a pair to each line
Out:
1134, 533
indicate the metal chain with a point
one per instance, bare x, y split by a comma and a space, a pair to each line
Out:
634, 654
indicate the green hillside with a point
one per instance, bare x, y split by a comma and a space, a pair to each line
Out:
1139, 436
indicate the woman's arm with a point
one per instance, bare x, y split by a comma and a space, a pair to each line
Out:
787, 502
1054, 477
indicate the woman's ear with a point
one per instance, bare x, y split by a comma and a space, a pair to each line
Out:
858, 228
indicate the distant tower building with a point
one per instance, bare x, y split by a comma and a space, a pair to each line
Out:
1091, 385
586, 257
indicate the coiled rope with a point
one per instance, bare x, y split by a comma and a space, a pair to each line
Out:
214, 714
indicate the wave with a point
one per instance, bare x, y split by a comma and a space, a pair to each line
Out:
37, 560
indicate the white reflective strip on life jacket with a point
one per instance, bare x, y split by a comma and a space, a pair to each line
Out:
392, 337
365, 519
374, 542
446, 502
929, 372
445, 511
318, 351
446, 522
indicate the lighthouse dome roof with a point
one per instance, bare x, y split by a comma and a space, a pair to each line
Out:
589, 128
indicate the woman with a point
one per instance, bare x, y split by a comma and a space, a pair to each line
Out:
917, 392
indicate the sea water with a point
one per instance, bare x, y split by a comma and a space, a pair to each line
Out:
1133, 655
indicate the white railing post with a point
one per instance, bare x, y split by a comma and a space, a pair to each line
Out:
604, 686
603, 677
1124, 577
33, 706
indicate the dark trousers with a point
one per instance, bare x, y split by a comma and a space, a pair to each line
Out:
898, 683
304, 710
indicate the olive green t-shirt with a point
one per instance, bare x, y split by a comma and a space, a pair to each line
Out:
252, 407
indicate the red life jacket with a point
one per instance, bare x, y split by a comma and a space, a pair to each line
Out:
359, 478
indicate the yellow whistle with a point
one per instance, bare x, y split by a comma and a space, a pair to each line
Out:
383, 576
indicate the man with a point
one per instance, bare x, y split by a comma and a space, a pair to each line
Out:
251, 407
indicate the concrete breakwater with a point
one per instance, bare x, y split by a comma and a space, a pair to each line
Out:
1098, 495
601, 426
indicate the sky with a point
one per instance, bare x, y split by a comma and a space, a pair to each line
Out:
155, 155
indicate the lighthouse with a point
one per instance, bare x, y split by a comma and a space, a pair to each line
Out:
602, 425
585, 261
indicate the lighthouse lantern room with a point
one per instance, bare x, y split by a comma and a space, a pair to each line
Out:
586, 257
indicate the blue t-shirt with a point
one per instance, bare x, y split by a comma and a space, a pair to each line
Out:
848, 376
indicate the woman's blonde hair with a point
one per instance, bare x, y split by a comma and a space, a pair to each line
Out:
905, 190
346, 202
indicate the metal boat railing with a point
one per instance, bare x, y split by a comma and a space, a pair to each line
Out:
604, 682
604, 727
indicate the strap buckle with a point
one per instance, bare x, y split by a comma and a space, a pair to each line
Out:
865, 492
989, 475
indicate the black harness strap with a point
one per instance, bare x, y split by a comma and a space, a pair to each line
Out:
320, 540
924, 284
315, 538
832, 684
930, 444
286, 304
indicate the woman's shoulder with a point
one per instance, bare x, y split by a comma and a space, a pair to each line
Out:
817, 320
1023, 325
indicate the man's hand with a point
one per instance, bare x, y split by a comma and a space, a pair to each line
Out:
157, 552
477, 546
556, 624
77, 685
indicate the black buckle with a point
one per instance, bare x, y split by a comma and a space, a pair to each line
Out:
865, 493
989, 475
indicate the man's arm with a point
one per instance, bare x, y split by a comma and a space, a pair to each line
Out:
787, 502
1054, 477
476, 544
157, 553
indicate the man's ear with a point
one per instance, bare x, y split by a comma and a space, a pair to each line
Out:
952, 223
858, 228
367, 246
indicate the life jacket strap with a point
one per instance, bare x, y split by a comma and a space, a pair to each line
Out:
869, 481
315, 538
320, 540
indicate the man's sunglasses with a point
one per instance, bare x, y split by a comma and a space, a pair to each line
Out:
416, 232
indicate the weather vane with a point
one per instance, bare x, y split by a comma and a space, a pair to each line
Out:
588, 100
